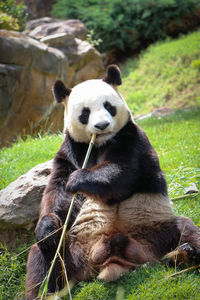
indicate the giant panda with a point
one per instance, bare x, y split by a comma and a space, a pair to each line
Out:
122, 217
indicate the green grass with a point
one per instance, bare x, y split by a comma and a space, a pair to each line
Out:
24, 155
145, 283
167, 74
12, 272
176, 140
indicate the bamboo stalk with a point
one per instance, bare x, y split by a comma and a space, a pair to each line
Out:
185, 196
66, 221
183, 271
66, 277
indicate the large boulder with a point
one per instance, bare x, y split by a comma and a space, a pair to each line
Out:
28, 69
43, 27
85, 62
20, 201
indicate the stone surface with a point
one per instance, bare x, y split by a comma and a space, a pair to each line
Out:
19, 202
85, 61
43, 27
160, 112
31, 25
191, 189
28, 69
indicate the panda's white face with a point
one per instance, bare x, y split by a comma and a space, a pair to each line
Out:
95, 107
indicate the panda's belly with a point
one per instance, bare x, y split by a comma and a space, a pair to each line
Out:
96, 219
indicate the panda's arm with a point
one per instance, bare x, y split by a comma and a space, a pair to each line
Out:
127, 170
56, 199
54, 207
109, 181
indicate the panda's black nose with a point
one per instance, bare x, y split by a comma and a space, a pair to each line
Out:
101, 125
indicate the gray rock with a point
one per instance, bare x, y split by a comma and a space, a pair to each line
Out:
192, 188
85, 62
28, 70
160, 112
19, 202
43, 27
31, 25
19, 49
58, 40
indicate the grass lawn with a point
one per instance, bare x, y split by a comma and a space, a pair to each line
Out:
176, 140
167, 74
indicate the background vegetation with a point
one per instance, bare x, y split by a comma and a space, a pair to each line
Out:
12, 16
131, 24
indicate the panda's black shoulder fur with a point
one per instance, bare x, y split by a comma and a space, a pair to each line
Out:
130, 165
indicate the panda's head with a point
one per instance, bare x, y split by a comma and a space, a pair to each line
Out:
93, 106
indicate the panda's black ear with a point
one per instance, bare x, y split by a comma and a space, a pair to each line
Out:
113, 75
60, 91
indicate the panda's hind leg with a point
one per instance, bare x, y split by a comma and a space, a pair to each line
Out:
188, 250
116, 254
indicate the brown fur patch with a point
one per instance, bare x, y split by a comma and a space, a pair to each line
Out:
189, 232
178, 257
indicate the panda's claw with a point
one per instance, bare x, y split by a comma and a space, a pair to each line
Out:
75, 182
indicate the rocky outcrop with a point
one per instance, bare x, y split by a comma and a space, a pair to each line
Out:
29, 67
84, 61
19, 202
28, 70
69, 36
43, 27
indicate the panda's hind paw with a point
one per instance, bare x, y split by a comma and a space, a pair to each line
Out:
183, 255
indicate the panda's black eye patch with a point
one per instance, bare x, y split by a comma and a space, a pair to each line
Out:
111, 109
83, 118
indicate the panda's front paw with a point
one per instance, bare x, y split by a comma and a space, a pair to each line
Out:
76, 181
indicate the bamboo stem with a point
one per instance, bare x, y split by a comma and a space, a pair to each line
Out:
67, 218
66, 277
183, 271
185, 196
